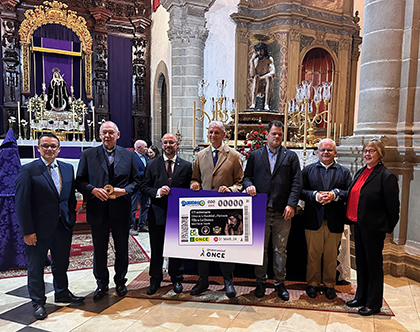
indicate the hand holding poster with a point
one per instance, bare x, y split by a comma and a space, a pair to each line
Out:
207, 225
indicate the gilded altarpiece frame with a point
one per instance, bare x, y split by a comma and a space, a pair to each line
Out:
54, 13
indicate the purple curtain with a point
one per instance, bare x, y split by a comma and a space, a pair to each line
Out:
1, 91
58, 32
120, 86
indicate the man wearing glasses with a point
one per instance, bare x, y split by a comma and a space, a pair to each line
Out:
162, 173
46, 209
107, 176
325, 190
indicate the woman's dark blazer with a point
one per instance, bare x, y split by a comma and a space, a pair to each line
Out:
379, 204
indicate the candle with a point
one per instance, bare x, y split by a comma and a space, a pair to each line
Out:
286, 116
236, 124
329, 121
340, 131
93, 122
335, 130
18, 116
193, 142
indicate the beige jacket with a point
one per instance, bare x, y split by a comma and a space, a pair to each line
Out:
227, 172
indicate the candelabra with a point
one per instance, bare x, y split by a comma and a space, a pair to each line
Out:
219, 111
299, 113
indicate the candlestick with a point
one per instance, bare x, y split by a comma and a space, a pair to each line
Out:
18, 116
73, 125
193, 142
93, 121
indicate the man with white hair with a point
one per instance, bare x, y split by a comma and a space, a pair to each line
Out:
217, 167
325, 190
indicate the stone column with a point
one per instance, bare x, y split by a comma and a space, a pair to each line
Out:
187, 35
388, 108
380, 73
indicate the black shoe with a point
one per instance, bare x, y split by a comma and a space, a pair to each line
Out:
365, 311
311, 291
330, 293
153, 287
230, 290
355, 303
40, 312
143, 229
282, 292
178, 287
121, 290
260, 289
69, 298
199, 287
100, 293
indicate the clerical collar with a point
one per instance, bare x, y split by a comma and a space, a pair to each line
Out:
109, 151
165, 158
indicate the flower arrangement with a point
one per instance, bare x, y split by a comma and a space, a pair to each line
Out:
12, 120
36, 105
254, 140
80, 109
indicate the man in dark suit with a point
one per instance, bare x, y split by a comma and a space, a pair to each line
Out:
140, 151
45, 206
108, 209
325, 190
217, 167
161, 173
275, 171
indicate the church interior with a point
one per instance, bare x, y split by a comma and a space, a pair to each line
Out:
348, 70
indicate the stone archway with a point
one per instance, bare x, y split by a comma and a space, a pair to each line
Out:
160, 112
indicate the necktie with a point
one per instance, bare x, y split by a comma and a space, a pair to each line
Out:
143, 160
55, 177
169, 169
215, 157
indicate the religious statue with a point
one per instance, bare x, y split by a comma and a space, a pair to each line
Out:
262, 73
58, 96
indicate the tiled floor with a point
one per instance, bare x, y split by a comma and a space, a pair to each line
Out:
135, 315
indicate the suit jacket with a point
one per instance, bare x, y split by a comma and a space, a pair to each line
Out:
284, 185
227, 172
93, 173
334, 211
140, 165
39, 207
156, 177
379, 203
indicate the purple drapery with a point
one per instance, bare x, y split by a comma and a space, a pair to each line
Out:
120, 86
1, 90
59, 32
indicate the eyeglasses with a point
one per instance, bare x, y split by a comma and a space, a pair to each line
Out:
52, 146
325, 150
370, 151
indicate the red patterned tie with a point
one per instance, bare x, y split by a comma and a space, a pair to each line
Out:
169, 169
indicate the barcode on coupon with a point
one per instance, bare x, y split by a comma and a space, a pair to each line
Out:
246, 222
184, 228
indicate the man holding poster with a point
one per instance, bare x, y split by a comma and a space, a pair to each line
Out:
161, 173
275, 171
217, 167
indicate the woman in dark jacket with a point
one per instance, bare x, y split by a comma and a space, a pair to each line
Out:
373, 205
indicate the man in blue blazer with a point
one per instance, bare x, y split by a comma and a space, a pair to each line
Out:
325, 191
275, 171
140, 152
107, 176
46, 209
162, 173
